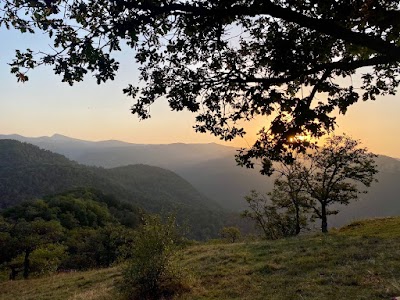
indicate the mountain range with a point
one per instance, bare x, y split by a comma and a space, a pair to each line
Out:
211, 169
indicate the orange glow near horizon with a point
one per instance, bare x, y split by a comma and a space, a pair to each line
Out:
45, 106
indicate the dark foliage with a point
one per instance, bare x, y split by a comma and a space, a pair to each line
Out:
75, 230
274, 220
226, 60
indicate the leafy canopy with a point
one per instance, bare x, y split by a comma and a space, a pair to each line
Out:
77, 229
226, 60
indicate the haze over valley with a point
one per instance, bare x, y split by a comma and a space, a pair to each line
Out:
211, 169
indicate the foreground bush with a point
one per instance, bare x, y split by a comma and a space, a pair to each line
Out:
152, 273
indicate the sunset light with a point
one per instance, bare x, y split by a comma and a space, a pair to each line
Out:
174, 149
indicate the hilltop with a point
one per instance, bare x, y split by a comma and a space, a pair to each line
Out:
359, 261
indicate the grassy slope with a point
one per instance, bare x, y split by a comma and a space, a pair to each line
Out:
96, 284
360, 261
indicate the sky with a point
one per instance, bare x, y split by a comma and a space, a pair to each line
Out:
44, 106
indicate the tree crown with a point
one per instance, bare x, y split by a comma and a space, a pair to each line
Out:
226, 60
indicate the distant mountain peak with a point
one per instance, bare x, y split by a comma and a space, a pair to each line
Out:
59, 136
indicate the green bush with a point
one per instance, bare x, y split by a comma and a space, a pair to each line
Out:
230, 234
153, 272
46, 259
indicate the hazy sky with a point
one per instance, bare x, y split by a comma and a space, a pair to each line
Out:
44, 106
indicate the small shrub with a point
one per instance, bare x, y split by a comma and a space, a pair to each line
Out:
231, 234
152, 273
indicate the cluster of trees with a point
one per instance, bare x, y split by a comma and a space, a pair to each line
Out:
270, 58
262, 57
308, 188
75, 230
84, 229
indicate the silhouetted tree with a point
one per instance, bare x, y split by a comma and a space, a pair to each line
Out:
289, 192
274, 220
226, 60
332, 175
329, 175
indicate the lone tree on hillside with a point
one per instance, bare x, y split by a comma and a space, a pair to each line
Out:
226, 60
332, 174
231, 234
284, 211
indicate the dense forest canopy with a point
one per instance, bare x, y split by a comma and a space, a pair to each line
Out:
78, 229
226, 60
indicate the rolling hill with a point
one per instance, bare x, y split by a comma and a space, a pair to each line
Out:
212, 170
121, 154
27, 172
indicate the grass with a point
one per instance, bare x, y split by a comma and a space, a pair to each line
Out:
95, 284
359, 261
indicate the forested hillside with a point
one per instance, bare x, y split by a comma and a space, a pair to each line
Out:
27, 172
212, 170
74, 230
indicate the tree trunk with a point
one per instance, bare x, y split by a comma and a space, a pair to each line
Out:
298, 228
26, 264
13, 273
324, 218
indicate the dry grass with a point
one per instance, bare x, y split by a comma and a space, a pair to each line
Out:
359, 261
96, 284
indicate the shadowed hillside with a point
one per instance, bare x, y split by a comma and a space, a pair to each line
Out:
27, 172
212, 170
111, 154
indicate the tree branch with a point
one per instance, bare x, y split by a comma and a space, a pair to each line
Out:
263, 7
340, 65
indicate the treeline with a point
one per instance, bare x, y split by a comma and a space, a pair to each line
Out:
75, 230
